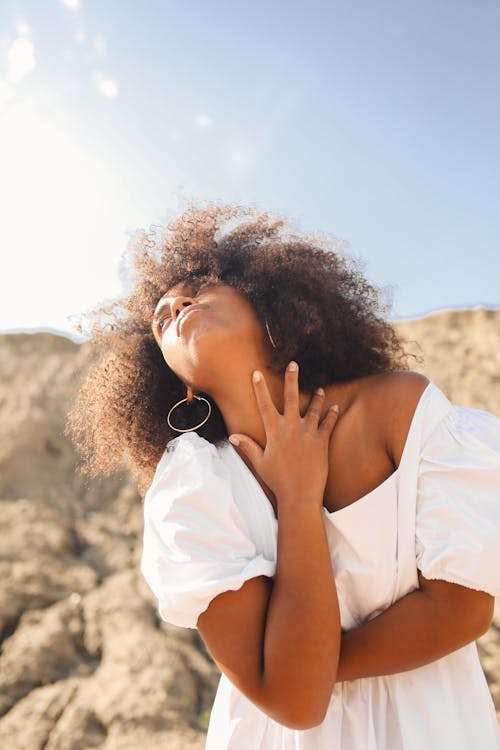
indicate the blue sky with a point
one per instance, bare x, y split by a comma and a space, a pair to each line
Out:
378, 122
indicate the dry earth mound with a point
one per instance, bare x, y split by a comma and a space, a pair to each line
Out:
85, 660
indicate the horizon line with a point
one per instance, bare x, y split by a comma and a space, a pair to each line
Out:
78, 339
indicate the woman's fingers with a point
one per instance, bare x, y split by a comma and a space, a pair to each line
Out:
291, 391
293, 459
315, 408
249, 447
329, 421
264, 401
291, 399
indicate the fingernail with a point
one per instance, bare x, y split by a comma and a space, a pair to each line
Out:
257, 376
335, 407
292, 366
234, 440
320, 391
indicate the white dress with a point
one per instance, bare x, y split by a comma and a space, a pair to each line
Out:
209, 527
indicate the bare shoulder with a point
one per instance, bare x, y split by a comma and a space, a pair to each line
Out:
403, 385
393, 398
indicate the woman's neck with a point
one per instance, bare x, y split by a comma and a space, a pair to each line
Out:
235, 397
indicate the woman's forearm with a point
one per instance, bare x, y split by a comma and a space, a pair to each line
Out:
302, 631
279, 643
421, 627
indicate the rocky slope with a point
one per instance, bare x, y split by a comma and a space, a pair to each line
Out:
85, 660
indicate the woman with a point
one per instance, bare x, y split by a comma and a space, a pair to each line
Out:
339, 553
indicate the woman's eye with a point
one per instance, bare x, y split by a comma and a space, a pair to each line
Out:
161, 323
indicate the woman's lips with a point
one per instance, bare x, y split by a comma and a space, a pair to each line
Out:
182, 318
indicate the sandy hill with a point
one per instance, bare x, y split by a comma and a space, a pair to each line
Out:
85, 660
461, 350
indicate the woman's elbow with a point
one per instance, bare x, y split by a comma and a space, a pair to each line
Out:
477, 617
303, 715
466, 612
303, 721
306, 722
485, 615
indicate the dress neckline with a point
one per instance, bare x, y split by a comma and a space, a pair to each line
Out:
363, 498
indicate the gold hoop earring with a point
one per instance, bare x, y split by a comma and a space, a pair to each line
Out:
270, 337
189, 400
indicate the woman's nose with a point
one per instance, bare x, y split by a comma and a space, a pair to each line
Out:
179, 303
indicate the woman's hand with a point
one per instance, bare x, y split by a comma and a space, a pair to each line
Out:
294, 462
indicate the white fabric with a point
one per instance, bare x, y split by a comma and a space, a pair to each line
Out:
196, 542
458, 534
209, 527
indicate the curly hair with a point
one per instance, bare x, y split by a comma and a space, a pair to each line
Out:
320, 308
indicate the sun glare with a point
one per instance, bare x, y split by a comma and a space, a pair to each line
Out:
62, 226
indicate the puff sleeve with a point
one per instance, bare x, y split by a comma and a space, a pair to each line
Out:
458, 501
196, 542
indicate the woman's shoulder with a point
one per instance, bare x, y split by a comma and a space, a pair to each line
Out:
399, 383
391, 399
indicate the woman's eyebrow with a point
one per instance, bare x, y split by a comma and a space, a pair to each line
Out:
159, 307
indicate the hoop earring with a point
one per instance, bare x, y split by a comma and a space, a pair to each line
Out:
270, 337
188, 400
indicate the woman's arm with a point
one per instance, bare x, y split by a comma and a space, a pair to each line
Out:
271, 640
437, 618
423, 626
279, 642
